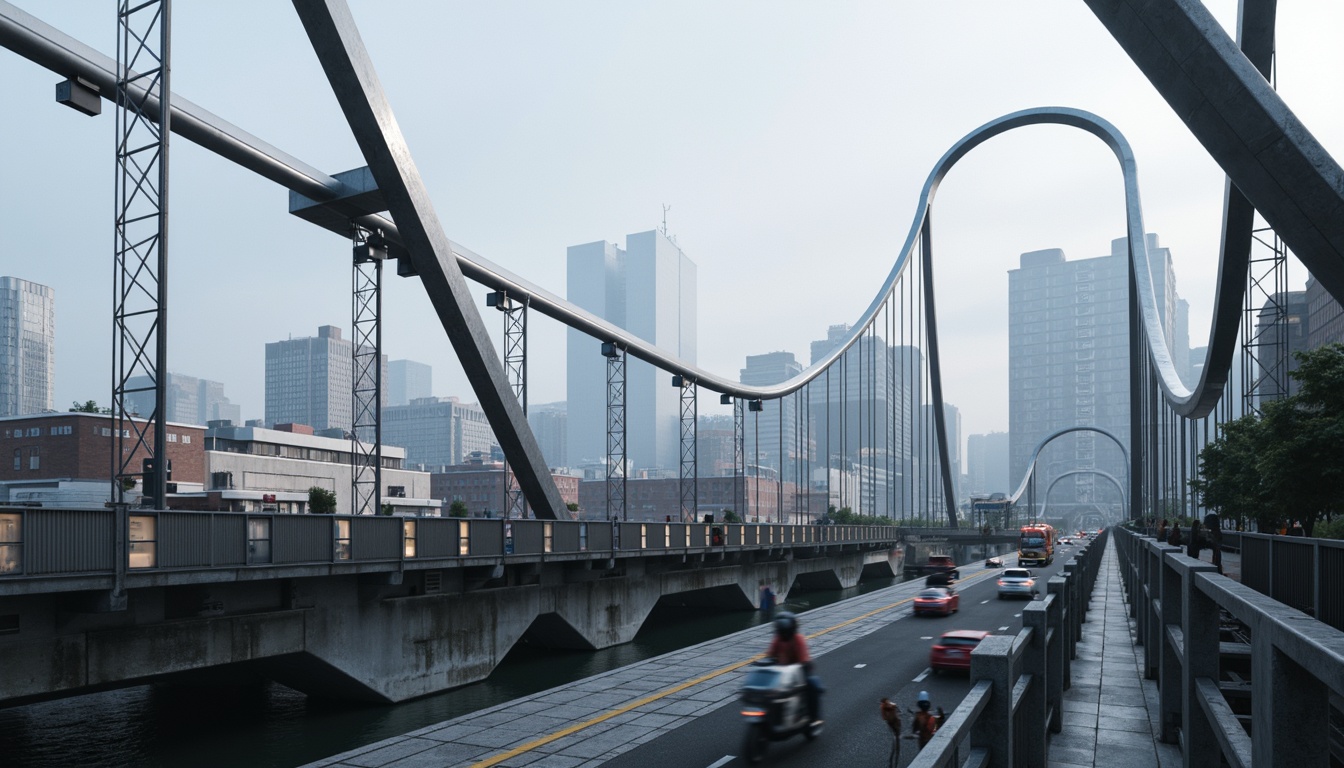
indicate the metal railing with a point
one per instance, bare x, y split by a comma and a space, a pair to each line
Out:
1018, 681
1296, 662
45, 541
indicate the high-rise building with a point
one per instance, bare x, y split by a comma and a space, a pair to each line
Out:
1325, 318
1068, 343
550, 424
649, 289
437, 431
866, 416
408, 380
929, 437
1282, 328
777, 449
27, 347
987, 464
311, 381
190, 400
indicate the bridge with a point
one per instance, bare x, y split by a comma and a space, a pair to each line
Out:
101, 567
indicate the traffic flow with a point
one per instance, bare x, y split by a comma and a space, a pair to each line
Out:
869, 688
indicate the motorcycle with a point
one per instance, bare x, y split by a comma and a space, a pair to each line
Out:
774, 705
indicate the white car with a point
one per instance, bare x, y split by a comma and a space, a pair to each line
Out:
1017, 582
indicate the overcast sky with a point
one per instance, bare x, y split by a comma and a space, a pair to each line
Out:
790, 140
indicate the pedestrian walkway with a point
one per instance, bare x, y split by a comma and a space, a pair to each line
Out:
1111, 713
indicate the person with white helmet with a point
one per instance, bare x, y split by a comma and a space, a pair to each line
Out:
925, 722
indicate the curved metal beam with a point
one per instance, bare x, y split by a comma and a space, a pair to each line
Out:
1045, 500
1031, 465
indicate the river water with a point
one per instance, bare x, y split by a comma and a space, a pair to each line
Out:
271, 725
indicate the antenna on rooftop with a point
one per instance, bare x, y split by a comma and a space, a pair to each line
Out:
666, 208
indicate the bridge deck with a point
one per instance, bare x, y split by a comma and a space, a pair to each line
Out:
591, 721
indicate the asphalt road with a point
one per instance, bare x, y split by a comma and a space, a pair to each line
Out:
891, 662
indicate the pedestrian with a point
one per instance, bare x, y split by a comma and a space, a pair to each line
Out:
1297, 529
1215, 527
1162, 529
1174, 537
892, 717
767, 600
1196, 542
925, 723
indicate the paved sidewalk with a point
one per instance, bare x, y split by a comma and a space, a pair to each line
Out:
1111, 713
590, 721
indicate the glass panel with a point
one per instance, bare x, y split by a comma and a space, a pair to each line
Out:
141, 534
583, 537
258, 528
259, 551
408, 538
463, 538
11, 528
548, 536
11, 558
342, 539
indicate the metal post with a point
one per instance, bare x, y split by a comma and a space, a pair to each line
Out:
740, 456
616, 455
140, 277
366, 451
515, 367
690, 476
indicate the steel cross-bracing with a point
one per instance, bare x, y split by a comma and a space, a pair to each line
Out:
740, 455
689, 475
366, 437
515, 365
617, 460
140, 274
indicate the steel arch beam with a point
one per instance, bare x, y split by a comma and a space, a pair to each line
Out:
1045, 500
1221, 95
336, 40
1031, 465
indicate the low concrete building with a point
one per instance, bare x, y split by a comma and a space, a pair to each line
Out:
252, 469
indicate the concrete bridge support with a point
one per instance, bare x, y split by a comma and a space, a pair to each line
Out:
379, 637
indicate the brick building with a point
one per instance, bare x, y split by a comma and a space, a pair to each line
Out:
65, 459
479, 484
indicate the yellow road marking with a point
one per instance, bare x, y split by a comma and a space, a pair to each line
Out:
560, 734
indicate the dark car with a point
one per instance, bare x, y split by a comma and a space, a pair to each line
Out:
953, 649
937, 601
942, 564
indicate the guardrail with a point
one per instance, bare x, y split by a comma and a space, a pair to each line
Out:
1018, 681
1297, 662
46, 541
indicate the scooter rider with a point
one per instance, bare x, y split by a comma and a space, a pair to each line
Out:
790, 647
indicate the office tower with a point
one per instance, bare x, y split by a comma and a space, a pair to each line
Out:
987, 464
649, 289
1068, 342
550, 423
27, 347
866, 416
929, 437
437, 431
311, 381
408, 380
190, 400
715, 455
1282, 327
777, 449
1325, 318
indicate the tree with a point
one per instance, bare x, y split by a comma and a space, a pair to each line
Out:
321, 501
88, 406
1282, 464
458, 509
729, 516
572, 506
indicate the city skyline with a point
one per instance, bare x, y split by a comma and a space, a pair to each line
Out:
716, 157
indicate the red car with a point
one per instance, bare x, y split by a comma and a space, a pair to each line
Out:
953, 649
941, 601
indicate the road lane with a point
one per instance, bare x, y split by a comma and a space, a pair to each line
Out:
891, 662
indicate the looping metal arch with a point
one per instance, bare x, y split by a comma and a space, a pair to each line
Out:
1045, 500
1035, 454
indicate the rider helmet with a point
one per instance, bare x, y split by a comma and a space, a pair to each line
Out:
786, 624
923, 701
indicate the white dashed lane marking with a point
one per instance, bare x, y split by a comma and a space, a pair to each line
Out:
922, 675
860, 666
1003, 629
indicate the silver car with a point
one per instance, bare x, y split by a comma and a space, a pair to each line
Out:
1017, 582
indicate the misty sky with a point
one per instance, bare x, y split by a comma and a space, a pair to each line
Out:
790, 140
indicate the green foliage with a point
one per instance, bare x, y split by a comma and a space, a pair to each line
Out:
88, 406
729, 516
572, 506
1330, 529
458, 509
1283, 464
846, 516
386, 510
321, 501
